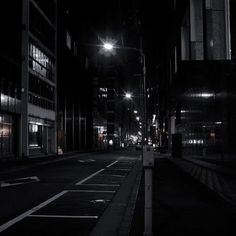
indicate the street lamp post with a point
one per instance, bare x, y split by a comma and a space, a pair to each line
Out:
147, 154
128, 96
110, 47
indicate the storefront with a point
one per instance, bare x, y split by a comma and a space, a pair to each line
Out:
41, 136
7, 135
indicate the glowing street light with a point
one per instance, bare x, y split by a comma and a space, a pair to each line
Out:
128, 95
108, 46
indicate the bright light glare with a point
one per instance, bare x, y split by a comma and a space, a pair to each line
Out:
108, 46
206, 95
128, 95
135, 111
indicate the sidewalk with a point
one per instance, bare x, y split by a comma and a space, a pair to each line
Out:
214, 175
201, 205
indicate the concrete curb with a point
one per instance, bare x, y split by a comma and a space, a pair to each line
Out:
125, 225
121, 209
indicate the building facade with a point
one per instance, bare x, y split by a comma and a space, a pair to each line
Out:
28, 79
198, 78
74, 83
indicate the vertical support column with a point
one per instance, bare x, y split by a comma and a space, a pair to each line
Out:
171, 130
73, 126
148, 164
25, 78
80, 130
227, 30
85, 133
216, 29
65, 124
55, 141
45, 139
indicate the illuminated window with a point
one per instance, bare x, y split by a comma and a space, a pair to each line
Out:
40, 63
35, 135
68, 40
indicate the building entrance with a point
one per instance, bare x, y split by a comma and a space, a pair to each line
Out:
7, 135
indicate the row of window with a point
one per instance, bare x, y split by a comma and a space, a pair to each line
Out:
41, 88
40, 28
41, 63
11, 89
41, 102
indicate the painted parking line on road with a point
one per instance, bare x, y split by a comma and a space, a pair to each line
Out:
94, 174
63, 216
123, 169
18, 181
29, 212
118, 176
86, 160
102, 185
113, 163
90, 191
89, 177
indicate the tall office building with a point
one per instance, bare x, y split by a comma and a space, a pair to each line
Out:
197, 78
74, 81
28, 78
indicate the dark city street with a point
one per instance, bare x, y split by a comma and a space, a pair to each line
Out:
117, 117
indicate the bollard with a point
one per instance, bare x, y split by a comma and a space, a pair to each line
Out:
148, 163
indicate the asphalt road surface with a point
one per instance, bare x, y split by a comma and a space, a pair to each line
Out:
62, 198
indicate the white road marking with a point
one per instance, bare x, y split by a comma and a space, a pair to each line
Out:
120, 176
86, 160
123, 169
29, 212
89, 177
100, 201
91, 191
94, 174
43, 204
102, 185
113, 163
64, 216
18, 181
